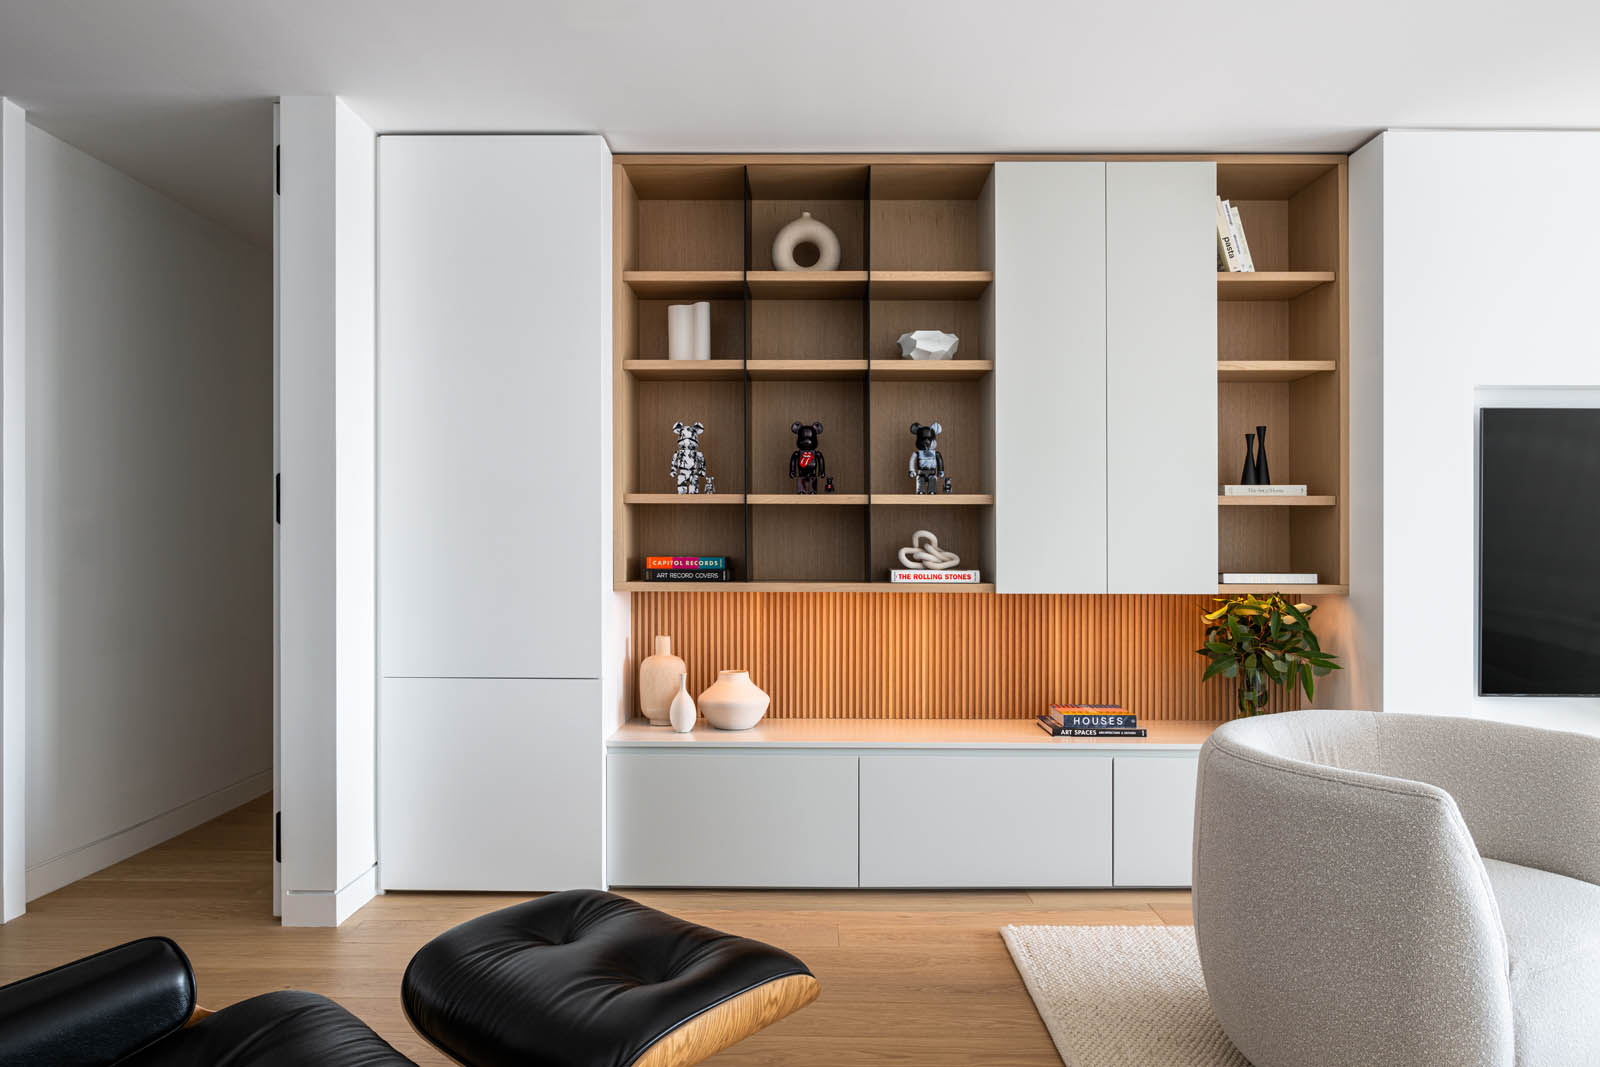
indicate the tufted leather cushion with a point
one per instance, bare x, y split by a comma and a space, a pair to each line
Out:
576, 979
274, 1030
98, 1009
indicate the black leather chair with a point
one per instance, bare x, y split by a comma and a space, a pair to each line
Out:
134, 1006
574, 979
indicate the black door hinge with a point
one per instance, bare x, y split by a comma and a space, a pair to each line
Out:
277, 170
277, 837
277, 499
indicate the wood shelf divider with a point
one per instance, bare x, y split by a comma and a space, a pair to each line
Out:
684, 499
1276, 501
933, 500
1271, 284
685, 370
812, 499
806, 284
1272, 370
684, 284
929, 284
930, 370
806, 370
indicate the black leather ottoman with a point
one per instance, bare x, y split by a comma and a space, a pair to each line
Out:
589, 979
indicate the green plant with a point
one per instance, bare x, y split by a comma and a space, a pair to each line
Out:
1256, 640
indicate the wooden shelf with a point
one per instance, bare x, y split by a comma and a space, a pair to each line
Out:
1276, 502
683, 499
929, 284
685, 370
685, 284
1295, 590
1018, 733
1271, 370
933, 500
930, 370
813, 499
806, 370
807, 284
801, 587
1270, 285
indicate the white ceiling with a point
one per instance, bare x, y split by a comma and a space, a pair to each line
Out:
176, 92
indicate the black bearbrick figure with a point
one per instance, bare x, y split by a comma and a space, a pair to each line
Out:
927, 462
806, 465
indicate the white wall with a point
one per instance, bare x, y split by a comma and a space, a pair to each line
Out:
149, 539
1489, 276
327, 450
13, 511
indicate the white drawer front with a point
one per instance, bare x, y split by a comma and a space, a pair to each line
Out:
1154, 798
985, 820
732, 819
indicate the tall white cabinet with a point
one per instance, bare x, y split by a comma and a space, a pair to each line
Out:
1105, 318
494, 496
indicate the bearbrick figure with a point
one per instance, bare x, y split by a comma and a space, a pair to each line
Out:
806, 465
688, 463
927, 462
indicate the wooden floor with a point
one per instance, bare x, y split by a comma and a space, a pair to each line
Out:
907, 977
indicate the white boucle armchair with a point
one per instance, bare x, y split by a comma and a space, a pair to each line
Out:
1403, 890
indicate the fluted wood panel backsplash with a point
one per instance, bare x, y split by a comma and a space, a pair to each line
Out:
944, 656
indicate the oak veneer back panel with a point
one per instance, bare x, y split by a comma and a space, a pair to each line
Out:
943, 656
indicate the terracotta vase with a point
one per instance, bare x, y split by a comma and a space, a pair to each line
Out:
734, 702
658, 682
682, 713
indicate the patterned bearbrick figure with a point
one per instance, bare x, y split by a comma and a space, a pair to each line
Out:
688, 464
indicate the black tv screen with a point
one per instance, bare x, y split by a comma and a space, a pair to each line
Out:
1539, 552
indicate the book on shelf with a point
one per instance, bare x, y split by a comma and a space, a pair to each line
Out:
1057, 730
1091, 716
1268, 578
668, 574
1247, 263
1227, 248
1262, 490
951, 577
686, 563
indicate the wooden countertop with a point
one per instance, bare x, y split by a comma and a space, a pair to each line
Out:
902, 734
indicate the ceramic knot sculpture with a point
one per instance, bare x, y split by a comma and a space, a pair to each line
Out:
924, 554
928, 344
806, 230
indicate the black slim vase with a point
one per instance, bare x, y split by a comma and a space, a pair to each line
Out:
1248, 476
1263, 475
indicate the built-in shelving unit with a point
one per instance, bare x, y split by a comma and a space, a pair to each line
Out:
1282, 351
802, 346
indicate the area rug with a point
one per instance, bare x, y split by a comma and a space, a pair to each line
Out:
1121, 996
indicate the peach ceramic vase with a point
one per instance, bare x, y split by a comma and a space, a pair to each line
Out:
734, 702
658, 682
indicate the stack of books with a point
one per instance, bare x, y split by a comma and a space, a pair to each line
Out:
1090, 720
1233, 251
1262, 490
687, 569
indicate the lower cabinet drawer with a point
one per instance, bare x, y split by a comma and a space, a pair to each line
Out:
1154, 798
731, 819
985, 820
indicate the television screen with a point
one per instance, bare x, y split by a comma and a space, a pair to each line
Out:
1539, 552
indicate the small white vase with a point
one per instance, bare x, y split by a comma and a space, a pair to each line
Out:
680, 331
806, 230
682, 714
658, 682
702, 330
734, 702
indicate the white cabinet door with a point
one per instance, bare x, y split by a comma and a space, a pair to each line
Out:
1154, 815
985, 820
1050, 377
494, 381
1161, 378
731, 819
490, 784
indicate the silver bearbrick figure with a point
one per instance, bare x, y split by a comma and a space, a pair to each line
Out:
688, 464
927, 462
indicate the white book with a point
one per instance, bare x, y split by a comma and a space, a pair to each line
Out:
1227, 251
1267, 578
950, 577
1262, 490
1239, 239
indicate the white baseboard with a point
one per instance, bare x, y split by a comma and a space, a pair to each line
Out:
323, 908
68, 867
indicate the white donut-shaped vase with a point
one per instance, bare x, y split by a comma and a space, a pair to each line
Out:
806, 230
